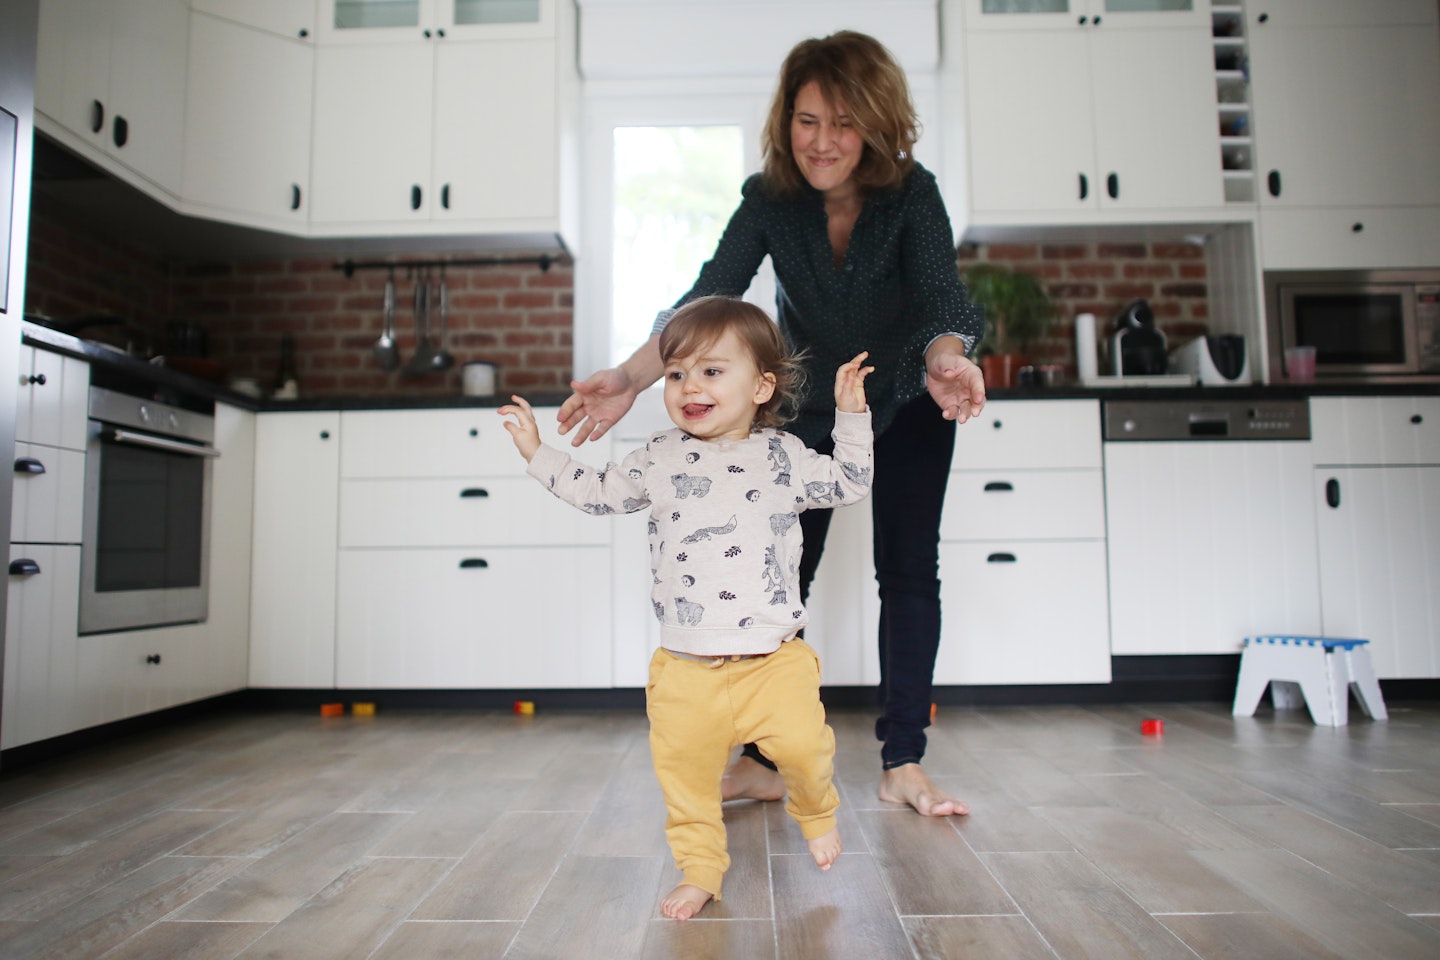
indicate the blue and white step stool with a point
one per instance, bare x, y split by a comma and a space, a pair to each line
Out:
1319, 670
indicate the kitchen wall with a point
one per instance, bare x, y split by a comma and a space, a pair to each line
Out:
515, 316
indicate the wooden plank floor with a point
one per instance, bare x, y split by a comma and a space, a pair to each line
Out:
432, 835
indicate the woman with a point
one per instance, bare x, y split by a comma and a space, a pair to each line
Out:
864, 260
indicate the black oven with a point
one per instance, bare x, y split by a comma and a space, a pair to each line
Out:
144, 557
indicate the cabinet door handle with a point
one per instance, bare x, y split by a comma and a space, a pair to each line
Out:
1417, 419
304, 32
1332, 493
1112, 186
24, 567
445, 196
1263, 18
121, 132
474, 492
29, 465
473, 563
1096, 21
1000, 558
1084, 186
415, 196
1357, 227
999, 486
36, 378
1272, 181
152, 658
294, 196
324, 434
97, 116
1084, 20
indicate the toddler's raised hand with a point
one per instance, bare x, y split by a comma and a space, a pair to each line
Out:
523, 430
850, 384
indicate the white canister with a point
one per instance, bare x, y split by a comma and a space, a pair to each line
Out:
478, 379
1085, 356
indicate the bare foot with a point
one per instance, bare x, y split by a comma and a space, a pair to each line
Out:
910, 784
748, 779
684, 902
825, 849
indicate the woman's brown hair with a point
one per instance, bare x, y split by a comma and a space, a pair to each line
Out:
856, 70
704, 320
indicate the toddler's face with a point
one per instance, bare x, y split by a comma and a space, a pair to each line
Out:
715, 393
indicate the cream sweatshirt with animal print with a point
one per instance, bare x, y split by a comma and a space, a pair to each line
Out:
724, 524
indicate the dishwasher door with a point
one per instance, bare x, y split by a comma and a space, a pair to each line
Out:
1212, 536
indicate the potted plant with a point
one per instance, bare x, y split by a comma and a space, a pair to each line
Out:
1018, 309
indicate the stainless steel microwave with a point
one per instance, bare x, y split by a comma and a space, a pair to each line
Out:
1363, 324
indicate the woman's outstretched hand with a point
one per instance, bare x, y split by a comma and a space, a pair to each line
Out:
850, 384
597, 403
954, 381
523, 429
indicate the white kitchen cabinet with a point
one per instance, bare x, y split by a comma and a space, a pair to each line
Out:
110, 84
456, 570
292, 612
1022, 552
52, 407
247, 125
49, 491
1053, 14
226, 631
407, 20
1209, 542
283, 18
1377, 508
1069, 122
437, 135
1347, 124
42, 614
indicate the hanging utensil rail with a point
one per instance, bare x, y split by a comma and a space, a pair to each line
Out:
543, 261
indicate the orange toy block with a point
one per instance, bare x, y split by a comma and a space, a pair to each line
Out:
525, 707
332, 709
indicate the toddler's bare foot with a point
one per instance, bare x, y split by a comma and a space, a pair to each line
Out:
825, 849
748, 779
684, 902
910, 784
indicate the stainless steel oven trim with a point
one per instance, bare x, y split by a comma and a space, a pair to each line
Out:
114, 611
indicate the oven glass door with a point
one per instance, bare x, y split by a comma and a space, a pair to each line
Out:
1354, 329
144, 560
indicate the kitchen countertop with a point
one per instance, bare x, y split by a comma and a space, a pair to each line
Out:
166, 379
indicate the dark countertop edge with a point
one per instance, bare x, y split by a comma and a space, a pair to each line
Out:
94, 353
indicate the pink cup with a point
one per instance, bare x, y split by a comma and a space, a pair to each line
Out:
1300, 364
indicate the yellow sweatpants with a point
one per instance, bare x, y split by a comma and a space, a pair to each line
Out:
699, 712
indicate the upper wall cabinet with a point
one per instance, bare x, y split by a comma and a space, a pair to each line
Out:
247, 124
283, 18
368, 21
1090, 111
1346, 100
110, 84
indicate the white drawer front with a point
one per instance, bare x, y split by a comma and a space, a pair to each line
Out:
443, 443
1031, 433
1023, 613
47, 507
527, 618
1024, 505
1375, 430
488, 511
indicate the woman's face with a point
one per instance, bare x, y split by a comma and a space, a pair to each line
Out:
826, 144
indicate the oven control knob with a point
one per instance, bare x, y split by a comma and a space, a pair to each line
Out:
174, 422
144, 412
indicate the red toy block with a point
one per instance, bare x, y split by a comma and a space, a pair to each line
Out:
1152, 728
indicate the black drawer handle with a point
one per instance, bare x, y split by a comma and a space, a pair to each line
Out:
1332, 493
152, 658
29, 465
473, 563
997, 424
445, 196
294, 196
37, 378
304, 33
121, 132
1084, 186
1112, 182
1000, 558
97, 116
999, 486
474, 492
1417, 419
415, 197
24, 567
1357, 227
324, 434
1273, 182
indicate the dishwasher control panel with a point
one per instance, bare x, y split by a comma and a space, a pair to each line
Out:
1157, 420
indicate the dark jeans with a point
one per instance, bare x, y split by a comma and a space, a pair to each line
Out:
912, 465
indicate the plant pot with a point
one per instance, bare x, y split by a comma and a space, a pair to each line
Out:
999, 369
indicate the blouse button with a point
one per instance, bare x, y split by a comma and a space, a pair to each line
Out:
849, 268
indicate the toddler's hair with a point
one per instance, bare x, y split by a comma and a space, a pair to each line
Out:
703, 321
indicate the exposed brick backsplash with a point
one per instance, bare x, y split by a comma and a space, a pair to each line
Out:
1103, 278
515, 316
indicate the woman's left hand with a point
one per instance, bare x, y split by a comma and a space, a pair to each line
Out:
954, 381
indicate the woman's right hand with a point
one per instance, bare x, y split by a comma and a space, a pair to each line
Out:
597, 403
